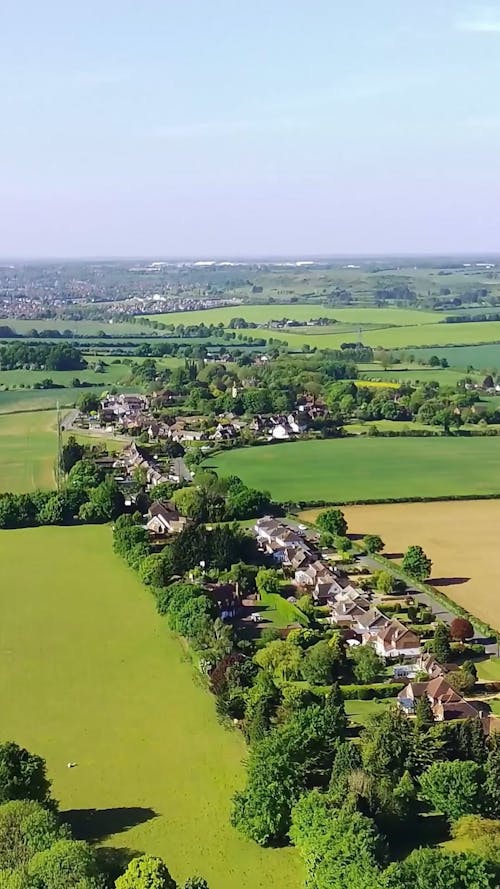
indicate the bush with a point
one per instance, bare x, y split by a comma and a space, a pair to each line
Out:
375, 691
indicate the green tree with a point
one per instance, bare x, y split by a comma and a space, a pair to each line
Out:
416, 563
341, 849
388, 745
72, 452
454, 788
333, 522
196, 883
384, 582
492, 777
424, 717
26, 827
22, 775
67, 864
373, 543
367, 664
320, 664
441, 643
281, 658
268, 581
146, 872
425, 868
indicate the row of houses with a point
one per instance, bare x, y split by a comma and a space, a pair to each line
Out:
353, 610
350, 608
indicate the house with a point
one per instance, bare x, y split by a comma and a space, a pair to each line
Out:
396, 640
427, 663
163, 519
370, 622
446, 703
346, 614
225, 432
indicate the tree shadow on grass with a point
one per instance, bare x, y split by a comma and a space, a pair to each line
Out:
95, 825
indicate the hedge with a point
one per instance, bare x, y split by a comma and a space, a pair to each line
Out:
376, 691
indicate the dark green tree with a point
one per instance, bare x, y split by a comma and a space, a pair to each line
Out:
22, 775
416, 563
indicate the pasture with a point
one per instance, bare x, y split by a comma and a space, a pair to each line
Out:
480, 357
28, 446
387, 328
90, 674
461, 538
360, 468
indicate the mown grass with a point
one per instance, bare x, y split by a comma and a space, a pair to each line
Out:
28, 448
90, 674
368, 468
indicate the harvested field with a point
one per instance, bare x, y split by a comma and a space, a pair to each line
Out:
461, 538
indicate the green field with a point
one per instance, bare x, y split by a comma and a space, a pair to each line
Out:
410, 327
28, 446
90, 674
479, 357
368, 468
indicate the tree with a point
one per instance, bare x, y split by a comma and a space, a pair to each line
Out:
22, 775
85, 474
454, 788
441, 643
281, 658
26, 827
106, 502
373, 543
333, 522
146, 872
88, 403
388, 745
461, 629
432, 867
384, 582
341, 849
416, 563
196, 883
424, 716
461, 680
268, 581
294, 756
492, 777
367, 664
320, 664
67, 864
72, 452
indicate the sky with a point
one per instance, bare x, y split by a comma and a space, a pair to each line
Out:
223, 128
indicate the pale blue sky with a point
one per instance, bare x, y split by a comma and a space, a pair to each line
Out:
210, 127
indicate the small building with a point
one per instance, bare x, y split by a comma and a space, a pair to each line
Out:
164, 519
396, 640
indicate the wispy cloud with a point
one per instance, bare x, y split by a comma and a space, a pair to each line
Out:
479, 20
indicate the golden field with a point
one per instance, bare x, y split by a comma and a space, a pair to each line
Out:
461, 538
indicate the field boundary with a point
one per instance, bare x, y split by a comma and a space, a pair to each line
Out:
298, 505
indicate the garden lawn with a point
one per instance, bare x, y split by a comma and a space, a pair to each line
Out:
28, 449
90, 674
367, 468
359, 712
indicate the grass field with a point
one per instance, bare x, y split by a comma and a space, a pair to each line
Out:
480, 357
28, 446
91, 674
80, 328
411, 327
368, 468
461, 538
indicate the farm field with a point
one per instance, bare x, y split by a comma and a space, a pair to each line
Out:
461, 538
300, 312
479, 357
446, 376
410, 326
367, 468
91, 674
28, 446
